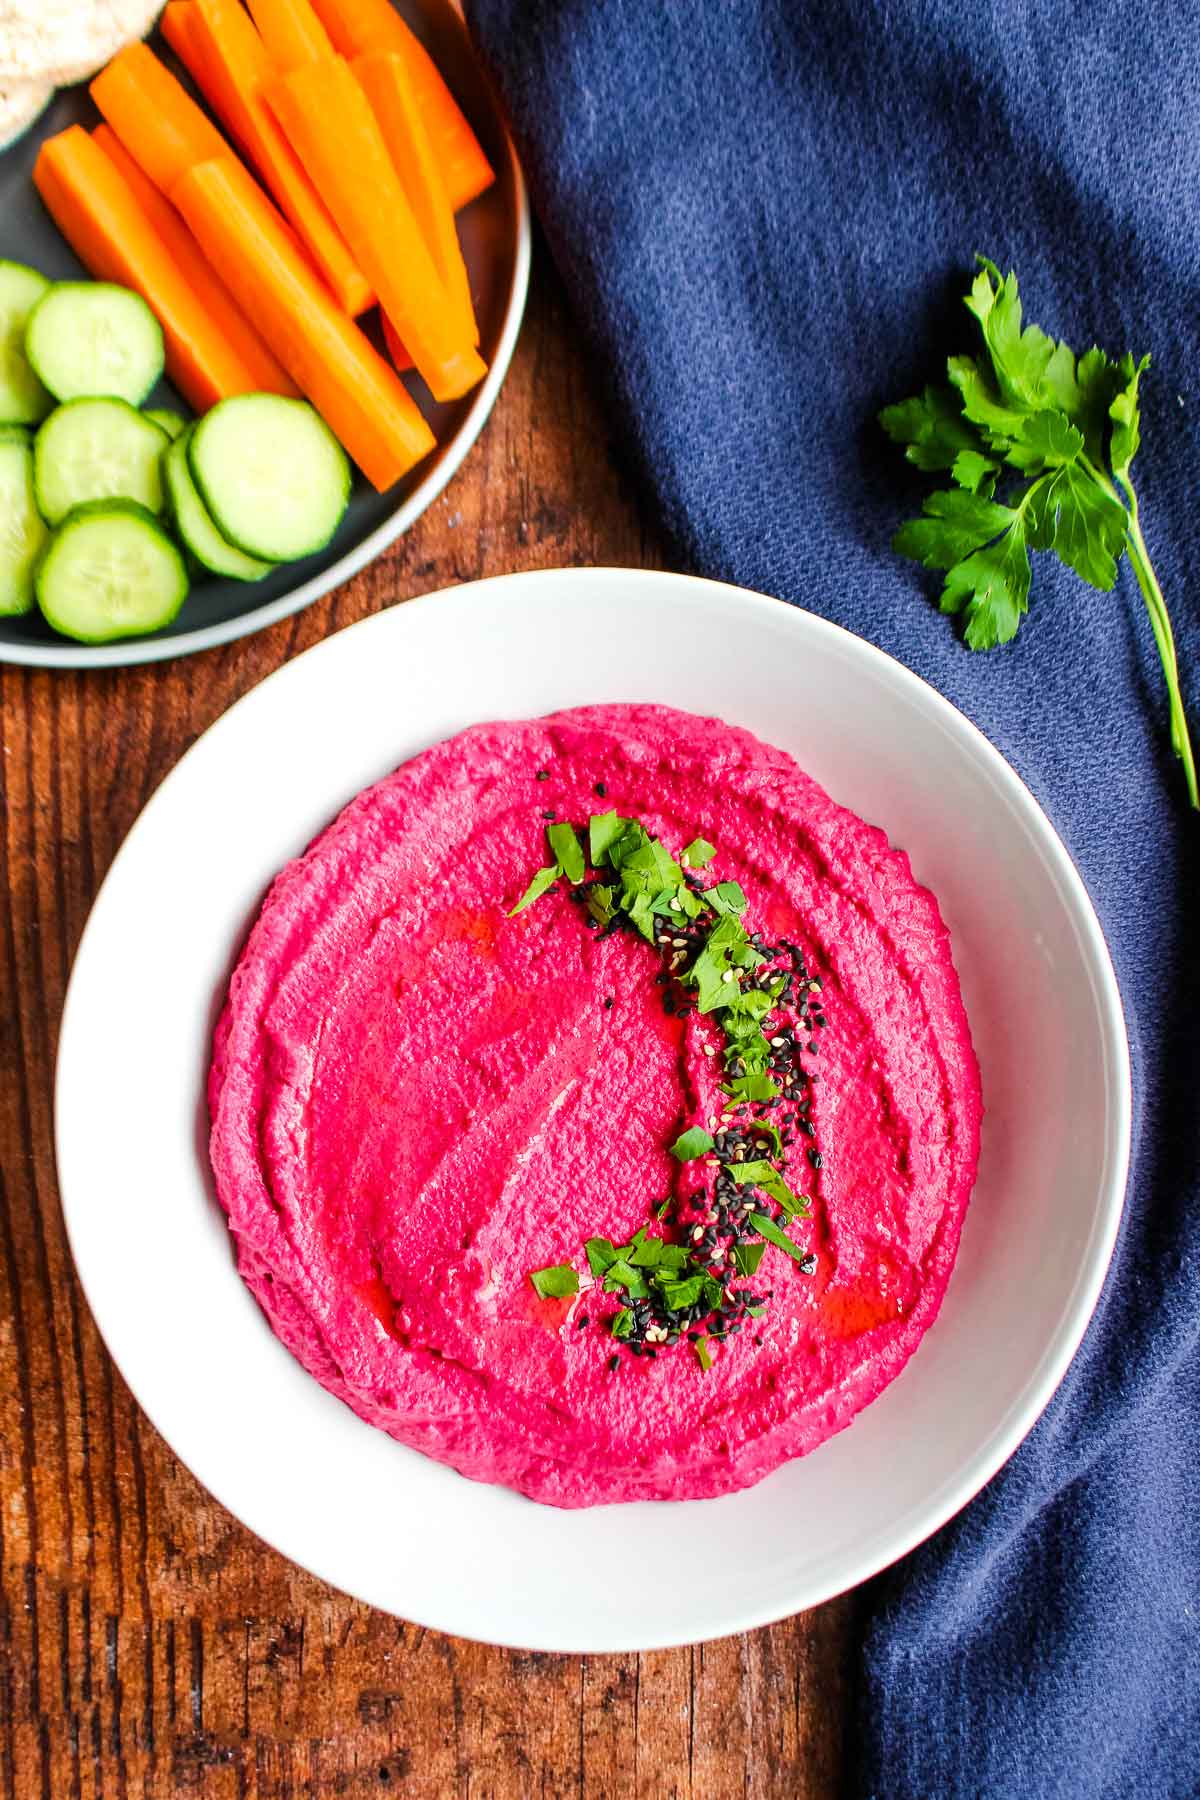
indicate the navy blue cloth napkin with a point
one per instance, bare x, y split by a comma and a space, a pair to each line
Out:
766, 213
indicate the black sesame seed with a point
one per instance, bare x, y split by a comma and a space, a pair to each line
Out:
549, 813
608, 1002
601, 790
758, 1343
582, 1322
614, 1363
543, 774
815, 1158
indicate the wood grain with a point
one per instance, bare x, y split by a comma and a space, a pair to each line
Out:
149, 1646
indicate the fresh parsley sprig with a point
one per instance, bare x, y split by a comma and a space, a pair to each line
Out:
1069, 429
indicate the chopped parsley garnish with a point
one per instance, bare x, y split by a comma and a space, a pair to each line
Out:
555, 1283
718, 969
692, 1143
770, 1230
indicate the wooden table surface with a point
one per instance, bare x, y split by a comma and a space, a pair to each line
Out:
149, 1645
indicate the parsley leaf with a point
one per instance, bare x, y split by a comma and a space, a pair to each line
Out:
601, 1254
699, 853
603, 830
769, 1229
992, 586
726, 897
933, 428
761, 1175
692, 1143
542, 881
746, 1257
954, 525
1070, 427
555, 1283
568, 851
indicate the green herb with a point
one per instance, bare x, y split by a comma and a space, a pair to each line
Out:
767, 1228
1070, 428
699, 853
622, 1323
603, 829
746, 1257
648, 1254
762, 1175
704, 1354
556, 1283
622, 1274
726, 897
692, 1143
568, 851
542, 881
752, 1087
678, 1294
600, 1254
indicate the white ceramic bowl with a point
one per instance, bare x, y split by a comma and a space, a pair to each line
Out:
151, 1244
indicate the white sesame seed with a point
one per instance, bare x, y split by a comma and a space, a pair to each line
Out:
777, 1043
709, 1050
728, 975
679, 943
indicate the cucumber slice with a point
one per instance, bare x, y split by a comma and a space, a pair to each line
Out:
23, 399
194, 526
97, 450
22, 531
16, 434
110, 571
93, 338
173, 423
271, 473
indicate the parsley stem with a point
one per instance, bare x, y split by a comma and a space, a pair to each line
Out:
1160, 621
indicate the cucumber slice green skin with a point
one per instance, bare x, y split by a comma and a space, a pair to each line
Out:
23, 532
97, 450
87, 339
23, 399
271, 473
110, 571
173, 423
194, 526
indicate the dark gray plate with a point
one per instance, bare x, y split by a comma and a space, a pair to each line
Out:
495, 236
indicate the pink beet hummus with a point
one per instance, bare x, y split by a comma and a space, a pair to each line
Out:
417, 1100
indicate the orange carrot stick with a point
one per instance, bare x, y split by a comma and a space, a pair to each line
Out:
291, 31
385, 81
326, 116
362, 400
226, 319
178, 26
401, 360
211, 352
229, 63
359, 26
155, 118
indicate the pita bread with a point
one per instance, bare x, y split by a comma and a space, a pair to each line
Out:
20, 104
60, 41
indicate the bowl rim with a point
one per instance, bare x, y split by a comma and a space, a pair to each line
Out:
1006, 1434
129, 652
